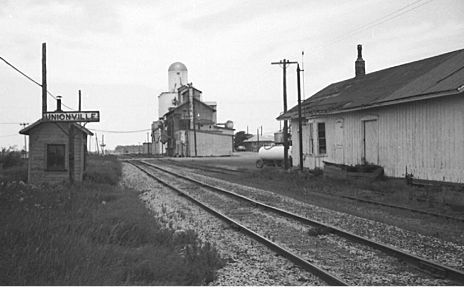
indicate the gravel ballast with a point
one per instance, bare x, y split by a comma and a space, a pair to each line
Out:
247, 261
447, 253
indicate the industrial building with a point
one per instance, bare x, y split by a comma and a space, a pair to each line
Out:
407, 119
188, 125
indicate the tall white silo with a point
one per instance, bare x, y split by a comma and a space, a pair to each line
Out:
178, 76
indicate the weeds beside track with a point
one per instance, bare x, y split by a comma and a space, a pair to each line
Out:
98, 233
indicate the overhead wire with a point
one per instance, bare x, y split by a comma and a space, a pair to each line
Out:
10, 135
120, 132
371, 24
386, 18
32, 80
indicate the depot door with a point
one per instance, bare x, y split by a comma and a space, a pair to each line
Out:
338, 143
371, 141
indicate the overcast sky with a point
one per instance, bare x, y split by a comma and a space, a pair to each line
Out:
118, 53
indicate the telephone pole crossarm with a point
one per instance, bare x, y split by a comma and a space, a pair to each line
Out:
284, 64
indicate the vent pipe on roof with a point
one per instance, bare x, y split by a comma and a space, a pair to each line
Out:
359, 65
58, 103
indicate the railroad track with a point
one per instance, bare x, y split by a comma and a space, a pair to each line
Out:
205, 168
221, 170
424, 264
306, 265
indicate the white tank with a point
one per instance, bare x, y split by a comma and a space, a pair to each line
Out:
177, 76
275, 152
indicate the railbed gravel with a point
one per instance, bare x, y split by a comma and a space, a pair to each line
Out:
247, 261
445, 252
353, 262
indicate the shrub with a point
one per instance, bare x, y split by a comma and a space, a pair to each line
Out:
9, 157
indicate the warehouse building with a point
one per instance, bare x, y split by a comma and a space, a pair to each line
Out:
407, 119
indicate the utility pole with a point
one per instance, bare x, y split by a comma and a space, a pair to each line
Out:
300, 126
284, 64
193, 117
96, 144
44, 78
257, 135
25, 145
80, 100
103, 145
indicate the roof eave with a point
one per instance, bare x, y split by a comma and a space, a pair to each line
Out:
399, 101
292, 115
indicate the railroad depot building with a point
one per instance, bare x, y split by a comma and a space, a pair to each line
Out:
58, 146
404, 118
51, 155
188, 125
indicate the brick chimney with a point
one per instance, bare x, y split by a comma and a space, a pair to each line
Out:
359, 65
58, 104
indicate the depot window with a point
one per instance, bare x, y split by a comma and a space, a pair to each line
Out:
322, 148
56, 157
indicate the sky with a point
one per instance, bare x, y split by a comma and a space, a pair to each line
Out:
118, 53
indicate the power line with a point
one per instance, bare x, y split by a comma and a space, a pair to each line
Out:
19, 71
386, 18
121, 132
35, 82
10, 135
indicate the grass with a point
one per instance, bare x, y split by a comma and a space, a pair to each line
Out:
98, 233
394, 191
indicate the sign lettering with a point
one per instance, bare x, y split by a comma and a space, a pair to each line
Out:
72, 116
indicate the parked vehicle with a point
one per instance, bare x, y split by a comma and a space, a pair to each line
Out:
240, 148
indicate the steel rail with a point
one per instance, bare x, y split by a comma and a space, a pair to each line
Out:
403, 208
419, 211
316, 270
430, 266
208, 168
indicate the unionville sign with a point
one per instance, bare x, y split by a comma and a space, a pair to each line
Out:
72, 116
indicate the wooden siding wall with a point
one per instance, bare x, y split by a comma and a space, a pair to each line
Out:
210, 144
49, 133
425, 136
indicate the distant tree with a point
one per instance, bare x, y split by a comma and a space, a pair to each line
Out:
10, 157
241, 136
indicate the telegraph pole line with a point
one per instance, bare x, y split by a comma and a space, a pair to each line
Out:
284, 64
80, 102
300, 126
44, 78
25, 145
